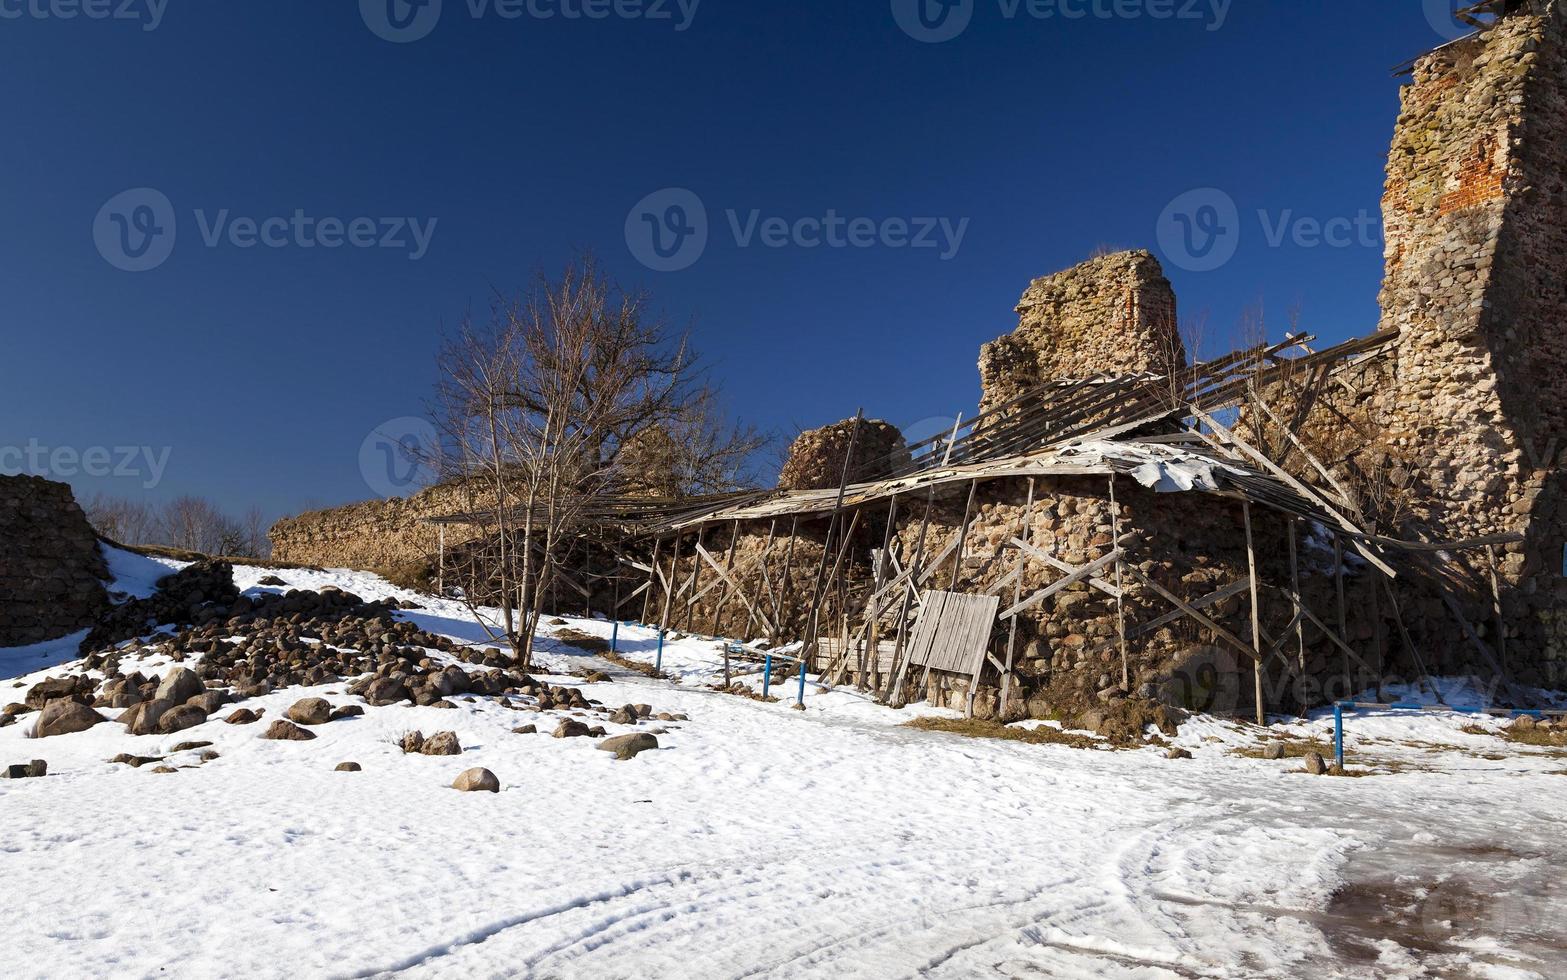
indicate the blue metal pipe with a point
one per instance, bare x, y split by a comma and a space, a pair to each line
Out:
614, 638
767, 677
1338, 734
658, 664
802, 682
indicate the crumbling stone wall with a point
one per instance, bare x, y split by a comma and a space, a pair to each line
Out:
1110, 315
1476, 219
51, 570
817, 455
380, 535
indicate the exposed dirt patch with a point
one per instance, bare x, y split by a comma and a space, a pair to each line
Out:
646, 670
975, 728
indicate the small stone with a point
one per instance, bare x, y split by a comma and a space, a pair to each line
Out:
385, 690
310, 711
348, 767
37, 769
412, 742
1273, 751
1315, 764
135, 761
189, 746
1178, 753
210, 701
627, 746
477, 781
624, 716
244, 716
348, 711
207, 755
287, 731
526, 730
442, 743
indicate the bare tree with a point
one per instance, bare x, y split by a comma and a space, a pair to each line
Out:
568, 397
130, 522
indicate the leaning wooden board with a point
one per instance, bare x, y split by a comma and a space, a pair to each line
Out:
953, 631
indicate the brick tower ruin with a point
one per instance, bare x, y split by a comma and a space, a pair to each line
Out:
1476, 222
1114, 314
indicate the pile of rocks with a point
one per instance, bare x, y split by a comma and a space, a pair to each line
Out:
198, 593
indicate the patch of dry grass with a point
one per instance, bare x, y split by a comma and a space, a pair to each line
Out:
975, 728
646, 670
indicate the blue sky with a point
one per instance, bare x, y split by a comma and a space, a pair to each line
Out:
495, 146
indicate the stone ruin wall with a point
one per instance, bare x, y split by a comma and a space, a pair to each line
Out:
1066, 653
379, 535
1109, 315
1476, 225
52, 572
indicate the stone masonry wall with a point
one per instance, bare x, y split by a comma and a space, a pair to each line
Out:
381, 535
1110, 315
51, 571
1476, 221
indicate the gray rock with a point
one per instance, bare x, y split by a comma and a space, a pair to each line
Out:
477, 781
624, 716
348, 767
210, 701
1315, 764
526, 730
142, 719
62, 716
386, 690
571, 728
1178, 753
244, 716
627, 746
347, 711
180, 685
1273, 751
310, 711
287, 731
26, 770
180, 718
442, 743
412, 742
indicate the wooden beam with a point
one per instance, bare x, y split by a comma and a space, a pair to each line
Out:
1256, 615
1192, 612
1062, 566
1078, 575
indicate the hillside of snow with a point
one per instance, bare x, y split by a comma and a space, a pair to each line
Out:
762, 841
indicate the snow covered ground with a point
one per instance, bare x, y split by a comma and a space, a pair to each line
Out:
764, 841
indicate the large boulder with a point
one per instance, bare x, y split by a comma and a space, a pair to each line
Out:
442, 743
311, 711
627, 746
63, 716
477, 781
387, 690
142, 719
180, 685
287, 731
180, 718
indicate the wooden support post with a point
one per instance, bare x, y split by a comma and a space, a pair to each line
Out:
669, 585
1376, 631
786, 586
1256, 616
1496, 607
440, 561
813, 621
1300, 620
1343, 613
1120, 603
767, 549
696, 576
652, 576
957, 558
1027, 530
723, 594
